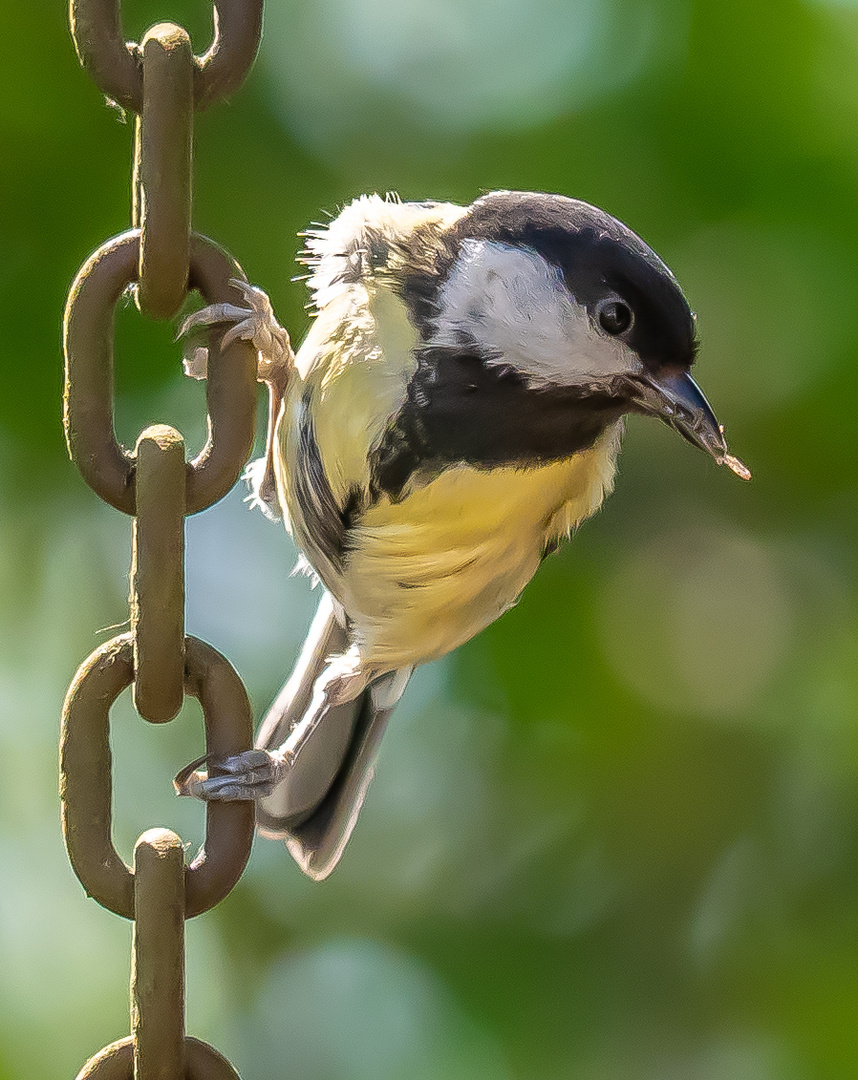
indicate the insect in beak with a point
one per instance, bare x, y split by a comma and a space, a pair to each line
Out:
680, 403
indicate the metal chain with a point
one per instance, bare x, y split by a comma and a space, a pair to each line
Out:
162, 259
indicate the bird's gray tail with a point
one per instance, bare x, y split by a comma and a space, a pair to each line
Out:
315, 807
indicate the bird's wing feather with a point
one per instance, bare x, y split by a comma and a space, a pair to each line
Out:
353, 373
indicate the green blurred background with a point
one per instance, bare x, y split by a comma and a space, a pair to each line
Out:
615, 837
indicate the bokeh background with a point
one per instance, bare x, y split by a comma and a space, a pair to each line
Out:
615, 837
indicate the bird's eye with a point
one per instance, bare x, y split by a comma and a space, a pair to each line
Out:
614, 316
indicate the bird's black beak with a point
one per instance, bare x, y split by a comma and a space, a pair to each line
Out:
679, 402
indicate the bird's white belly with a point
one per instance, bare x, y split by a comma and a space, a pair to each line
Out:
427, 573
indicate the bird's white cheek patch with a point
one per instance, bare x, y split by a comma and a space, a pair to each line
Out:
516, 306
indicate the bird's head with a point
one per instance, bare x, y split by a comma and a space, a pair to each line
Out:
539, 321
565, 300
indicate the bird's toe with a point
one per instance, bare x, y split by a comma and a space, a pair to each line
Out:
252, 774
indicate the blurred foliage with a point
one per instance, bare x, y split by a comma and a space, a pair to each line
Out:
613, 838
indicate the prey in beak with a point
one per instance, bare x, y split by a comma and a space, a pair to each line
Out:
678, 401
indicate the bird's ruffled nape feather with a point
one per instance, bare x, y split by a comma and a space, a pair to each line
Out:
365, 238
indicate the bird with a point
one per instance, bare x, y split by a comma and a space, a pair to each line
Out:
454, 413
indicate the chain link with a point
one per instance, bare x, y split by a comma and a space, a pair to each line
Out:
85, 771
158, 955
114, 64
162, 182
161, 259
106, 466
116, 1062
158, 574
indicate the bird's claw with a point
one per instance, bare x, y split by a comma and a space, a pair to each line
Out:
252, 774
255, 322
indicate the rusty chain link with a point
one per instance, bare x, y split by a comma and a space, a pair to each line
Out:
107, 467
162, 181
114, 63
85, 769
161, 259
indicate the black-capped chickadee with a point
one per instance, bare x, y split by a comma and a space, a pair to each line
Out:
454, 412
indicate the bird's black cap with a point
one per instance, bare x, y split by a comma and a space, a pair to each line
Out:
597, 254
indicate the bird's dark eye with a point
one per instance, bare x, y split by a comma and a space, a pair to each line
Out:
615, 317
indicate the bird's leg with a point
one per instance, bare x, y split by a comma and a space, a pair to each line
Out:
254, 774
257, 324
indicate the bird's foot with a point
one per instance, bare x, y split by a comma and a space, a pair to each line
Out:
254, 322
252, 774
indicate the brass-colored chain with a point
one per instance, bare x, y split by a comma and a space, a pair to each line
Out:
114, 64
162, 181
107, 467
162, 259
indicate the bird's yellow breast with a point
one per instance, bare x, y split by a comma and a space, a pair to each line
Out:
426, 573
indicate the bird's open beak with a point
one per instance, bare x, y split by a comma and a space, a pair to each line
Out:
679, 402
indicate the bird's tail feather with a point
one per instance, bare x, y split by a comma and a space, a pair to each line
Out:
315, 808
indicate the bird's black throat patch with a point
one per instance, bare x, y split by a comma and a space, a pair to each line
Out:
461, 409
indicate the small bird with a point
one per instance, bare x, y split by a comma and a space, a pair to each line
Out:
454, 413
